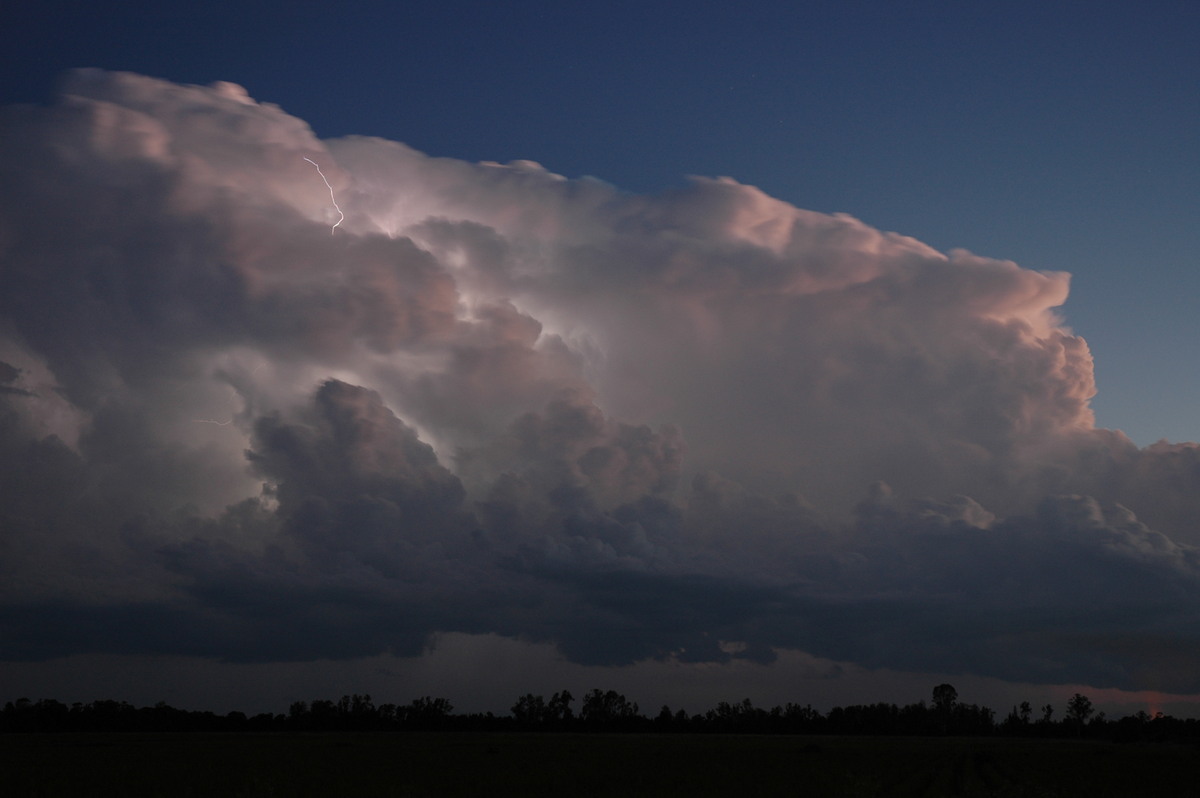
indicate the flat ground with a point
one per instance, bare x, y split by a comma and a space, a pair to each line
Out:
464, 764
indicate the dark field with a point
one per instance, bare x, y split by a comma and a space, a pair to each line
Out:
465, 764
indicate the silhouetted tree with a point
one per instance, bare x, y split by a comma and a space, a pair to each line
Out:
739, 717
530, 710
944, 697
608, 709
427, 713
361, 706
533, 711
602, 711
1017, 721
298, 712
558, 709
1079, 709
972, 719
802, 719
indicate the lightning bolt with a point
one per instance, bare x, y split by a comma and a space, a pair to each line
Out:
210, 421
332, 198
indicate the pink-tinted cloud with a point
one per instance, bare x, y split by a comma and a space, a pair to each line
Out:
700, 425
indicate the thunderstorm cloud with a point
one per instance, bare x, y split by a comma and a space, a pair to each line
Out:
493, 400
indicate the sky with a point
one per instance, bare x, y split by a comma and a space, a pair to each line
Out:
809, 352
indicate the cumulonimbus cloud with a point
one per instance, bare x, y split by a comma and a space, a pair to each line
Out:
497, 400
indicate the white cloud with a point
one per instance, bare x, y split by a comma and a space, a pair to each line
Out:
498, 401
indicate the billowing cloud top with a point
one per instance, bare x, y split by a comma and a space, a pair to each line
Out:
496, 400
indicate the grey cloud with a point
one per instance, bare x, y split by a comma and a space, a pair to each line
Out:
8, 375
355, 482
353, 444
499, 401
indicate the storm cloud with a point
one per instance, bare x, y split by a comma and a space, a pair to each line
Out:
698, 425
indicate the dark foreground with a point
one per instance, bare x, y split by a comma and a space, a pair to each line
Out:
465, 764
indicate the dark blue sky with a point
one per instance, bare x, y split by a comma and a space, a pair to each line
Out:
1059, 135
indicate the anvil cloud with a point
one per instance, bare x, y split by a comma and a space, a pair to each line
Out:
695, 426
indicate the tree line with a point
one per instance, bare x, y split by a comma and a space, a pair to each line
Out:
609, 711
